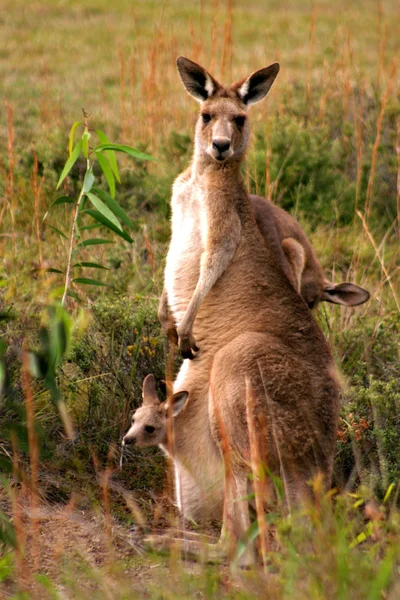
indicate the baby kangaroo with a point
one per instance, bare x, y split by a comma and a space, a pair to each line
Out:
194, 452
229, 296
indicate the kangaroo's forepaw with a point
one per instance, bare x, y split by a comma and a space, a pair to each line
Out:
187, 346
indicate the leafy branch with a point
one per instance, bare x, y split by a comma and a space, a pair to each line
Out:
105, 210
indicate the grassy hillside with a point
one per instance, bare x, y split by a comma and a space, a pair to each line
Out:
325, 146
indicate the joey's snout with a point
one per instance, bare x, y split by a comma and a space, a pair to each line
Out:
128, 439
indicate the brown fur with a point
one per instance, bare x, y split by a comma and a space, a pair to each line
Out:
281, 231
230, 297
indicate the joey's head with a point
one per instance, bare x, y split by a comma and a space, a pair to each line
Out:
149, 421
222, 129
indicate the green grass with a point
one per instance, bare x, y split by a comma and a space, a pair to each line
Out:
312, 149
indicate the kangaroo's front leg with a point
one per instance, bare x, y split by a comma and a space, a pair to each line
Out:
219, 252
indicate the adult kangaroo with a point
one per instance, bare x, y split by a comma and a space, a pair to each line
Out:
240, 323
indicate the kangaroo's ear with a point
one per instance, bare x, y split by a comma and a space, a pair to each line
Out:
254, 88
296, 257
347, 294
149, 392
198, 82
178, 401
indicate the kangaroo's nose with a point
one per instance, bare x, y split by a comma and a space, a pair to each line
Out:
221, 144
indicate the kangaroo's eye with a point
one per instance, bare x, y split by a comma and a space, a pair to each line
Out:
239, 121
206, 117
311, 304
149, 429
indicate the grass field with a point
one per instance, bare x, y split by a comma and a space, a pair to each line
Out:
326, 147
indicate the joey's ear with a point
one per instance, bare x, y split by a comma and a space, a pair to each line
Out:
149, 392
254, 88
347, 294
296, 258
198, 82
178, 401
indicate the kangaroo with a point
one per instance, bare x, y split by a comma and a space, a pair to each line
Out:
238, 319
299, 263
305, 271
149, 427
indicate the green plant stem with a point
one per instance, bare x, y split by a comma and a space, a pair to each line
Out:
72, 240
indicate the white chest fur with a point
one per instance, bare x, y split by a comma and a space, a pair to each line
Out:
187, 244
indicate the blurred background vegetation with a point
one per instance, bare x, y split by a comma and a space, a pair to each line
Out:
325, 146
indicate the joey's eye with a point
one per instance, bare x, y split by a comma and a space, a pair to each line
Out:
149, 429
311, 304
206, 117
239, 121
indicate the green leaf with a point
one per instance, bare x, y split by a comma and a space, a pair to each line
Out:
114, 206
382, 577
52, 270
57, 230
104, 221
72, 135
108, 174
104, 210
85, 143
94, 242
70, 163
63, 200
110, 155
88, 181
90, 265
388, 492
87, 281
126, 149
89, 227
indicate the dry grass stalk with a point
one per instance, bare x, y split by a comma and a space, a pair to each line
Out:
226, 453
20, 530
268, 160
398, 173
132, 81
311, 48
122, 69
368, 200
9, 175
149, 250
169, 379
358, 120
33, 456
104, 477
37, 190
256, 459
227, 50
375, 247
